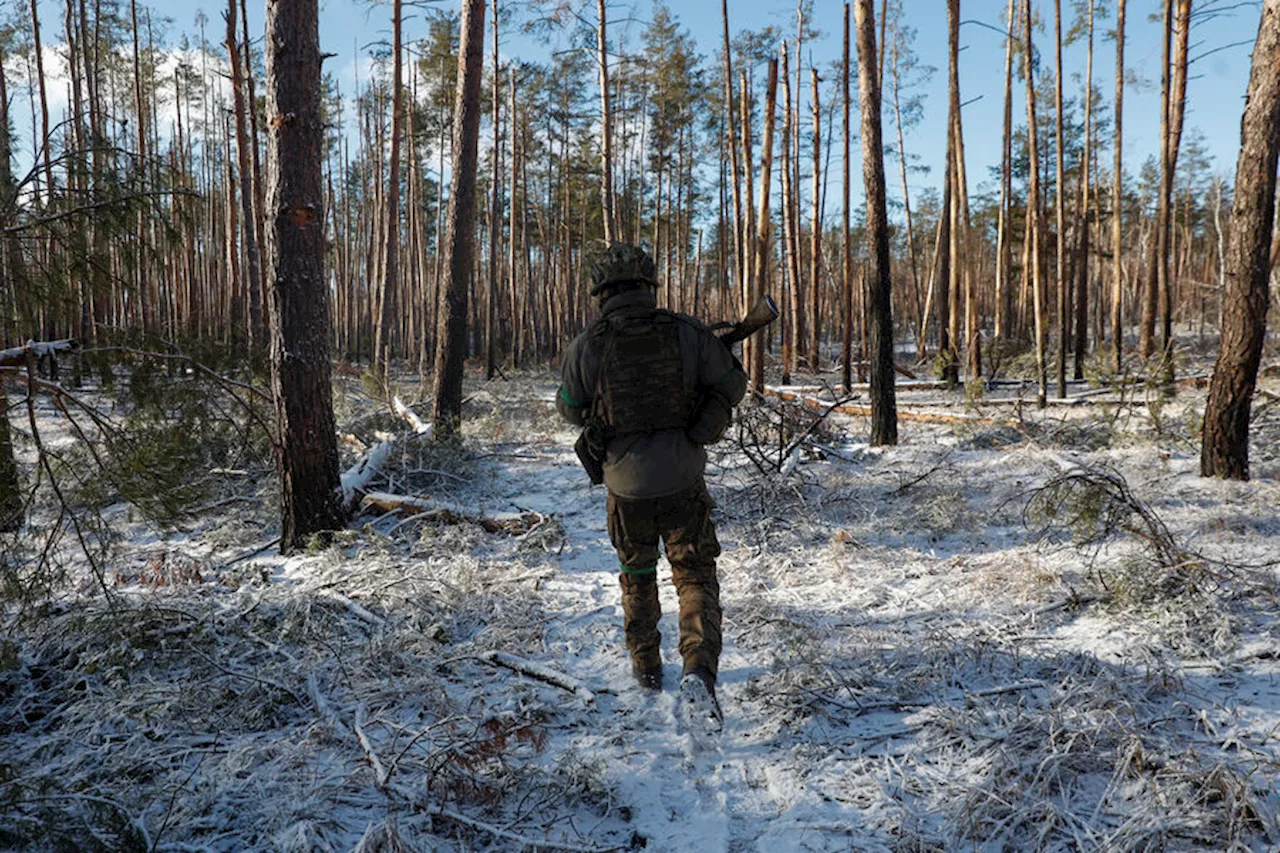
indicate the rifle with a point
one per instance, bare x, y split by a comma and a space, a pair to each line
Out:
764, 312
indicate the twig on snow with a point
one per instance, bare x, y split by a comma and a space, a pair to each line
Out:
542, 673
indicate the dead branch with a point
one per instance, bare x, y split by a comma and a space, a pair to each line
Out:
511, 523
542, 673
17, 356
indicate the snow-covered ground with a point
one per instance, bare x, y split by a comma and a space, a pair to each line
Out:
925, 649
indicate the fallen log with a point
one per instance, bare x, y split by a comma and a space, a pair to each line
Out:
865, 411
357, 477
425, 509
17, 356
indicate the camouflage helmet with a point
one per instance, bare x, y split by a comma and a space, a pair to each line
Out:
622, 263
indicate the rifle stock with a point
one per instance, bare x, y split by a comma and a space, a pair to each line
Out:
761, 315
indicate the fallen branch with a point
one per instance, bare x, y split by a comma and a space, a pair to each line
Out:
542, 673
358, 476
420, 427
379, 772
865, 411
17, 356
512, 523
522, 841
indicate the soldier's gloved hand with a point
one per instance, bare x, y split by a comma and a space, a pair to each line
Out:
710, 420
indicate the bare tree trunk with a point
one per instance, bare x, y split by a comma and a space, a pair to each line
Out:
884, 412
790, 240
606, 127
1158, 248
1225, 450
918, 319
760, 277
1083, 218
1060, 206
846, 244
815, 237
495, 217
239, 98
1117, 246
741, 262
1033, 210
1176, 107
307, 450
1003, 254
452, 339
390, 249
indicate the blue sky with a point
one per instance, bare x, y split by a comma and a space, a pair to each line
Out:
1215, 92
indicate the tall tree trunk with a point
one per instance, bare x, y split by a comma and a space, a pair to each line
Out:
251, 105
918, 320
1158, 248
1033, 211
1060, 206
140, 119
790, 241
846, 244
307, 448
1225, 449
240, 98
495, 217
760, 276
452, 339
606, 127
884, 412
741, 262
1004, 291
1117, 245
815, 237
1177, 105
1083, 220
390, 265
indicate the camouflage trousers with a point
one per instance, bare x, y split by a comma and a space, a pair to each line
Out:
683, 523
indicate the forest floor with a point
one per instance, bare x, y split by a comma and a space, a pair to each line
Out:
1016, 630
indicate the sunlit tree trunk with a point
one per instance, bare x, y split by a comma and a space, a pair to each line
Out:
1033, 210
452, 338
1117, 246
307, 444
1225, 448
884, 412
760, 276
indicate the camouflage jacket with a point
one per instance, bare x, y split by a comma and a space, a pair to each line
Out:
655, 464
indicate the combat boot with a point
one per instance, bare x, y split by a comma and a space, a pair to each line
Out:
698, 700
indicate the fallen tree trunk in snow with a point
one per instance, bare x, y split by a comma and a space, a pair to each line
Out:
425, 509
17, 356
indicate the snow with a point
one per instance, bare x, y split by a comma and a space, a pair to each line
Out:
912, 660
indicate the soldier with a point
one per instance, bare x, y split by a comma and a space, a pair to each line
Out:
654, 387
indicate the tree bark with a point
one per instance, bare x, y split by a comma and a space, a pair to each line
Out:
1060, 206
495, 217
846, 243
390, 265
307, 455
452, 339
884, 413
760, 276
1003, 255
1033, 211
815, 237
254, 265
1225, 448
1083, 217
1117, 245
606, 126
